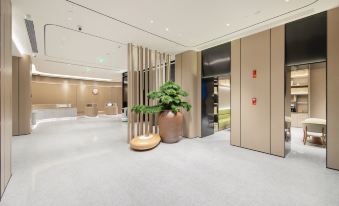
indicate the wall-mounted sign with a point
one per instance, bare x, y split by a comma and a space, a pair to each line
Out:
254, 101
95, 91
254, 74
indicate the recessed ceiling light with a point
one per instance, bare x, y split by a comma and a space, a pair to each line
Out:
228, 24
101, 60
167, 29
287, 1
152, 21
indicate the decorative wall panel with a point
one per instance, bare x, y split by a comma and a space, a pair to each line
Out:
147, 71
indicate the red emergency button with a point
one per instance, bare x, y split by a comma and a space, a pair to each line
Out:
254, 74
254, 101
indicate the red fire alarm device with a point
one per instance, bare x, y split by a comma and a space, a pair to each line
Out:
254, 74
254, 101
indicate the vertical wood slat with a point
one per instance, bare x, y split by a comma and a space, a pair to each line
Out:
146, 90
163, 66
151, 81
160, 69
156, 80
130, 92
168, 70
141, 89
147, 71
137, 87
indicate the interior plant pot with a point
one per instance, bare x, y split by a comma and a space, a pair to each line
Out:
170, 126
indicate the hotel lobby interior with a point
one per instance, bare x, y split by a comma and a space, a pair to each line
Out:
169, 102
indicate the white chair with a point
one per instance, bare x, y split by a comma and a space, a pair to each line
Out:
124, 117
315, 130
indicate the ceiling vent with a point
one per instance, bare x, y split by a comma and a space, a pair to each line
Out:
31, 35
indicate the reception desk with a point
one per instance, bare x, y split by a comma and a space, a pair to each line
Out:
91, 110
52, 111
111, 109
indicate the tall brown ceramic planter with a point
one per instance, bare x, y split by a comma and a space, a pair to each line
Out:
170, 126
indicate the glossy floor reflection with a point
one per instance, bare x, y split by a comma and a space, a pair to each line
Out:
87, 162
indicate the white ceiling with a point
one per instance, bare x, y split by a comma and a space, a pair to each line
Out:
99, 51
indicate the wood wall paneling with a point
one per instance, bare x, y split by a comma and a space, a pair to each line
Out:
317, 89
255, 119
6, 91
188, 77
277, 91
22, 95
15, 95
49, 90
332, 89
25, 95
189, 84
178, 63
235, 92
198, 98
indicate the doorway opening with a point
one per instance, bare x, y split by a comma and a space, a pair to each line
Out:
216, 105
305, 110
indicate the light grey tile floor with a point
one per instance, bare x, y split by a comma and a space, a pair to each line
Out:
87, 162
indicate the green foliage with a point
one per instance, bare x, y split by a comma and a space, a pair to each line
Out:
168, 98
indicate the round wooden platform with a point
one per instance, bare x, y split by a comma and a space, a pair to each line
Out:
142, 142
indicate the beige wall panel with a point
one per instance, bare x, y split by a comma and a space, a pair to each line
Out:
318, 91
235, 92
277, 91
51, 93
178, 73
15, 95
189, 75
25, 95
255, 120
198, 93
117, 97
6, 90
47, 90
101, 99
332, 89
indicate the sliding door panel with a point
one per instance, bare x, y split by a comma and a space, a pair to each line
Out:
277, 91
255, 92
235, 92
332, 89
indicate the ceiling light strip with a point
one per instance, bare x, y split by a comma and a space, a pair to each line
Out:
37, 73
200, 44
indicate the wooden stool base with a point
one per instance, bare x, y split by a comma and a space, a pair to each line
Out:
142, 143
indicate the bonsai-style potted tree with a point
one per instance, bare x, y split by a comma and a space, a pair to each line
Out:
169, 103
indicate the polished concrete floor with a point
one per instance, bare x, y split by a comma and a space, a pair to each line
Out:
86, 162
